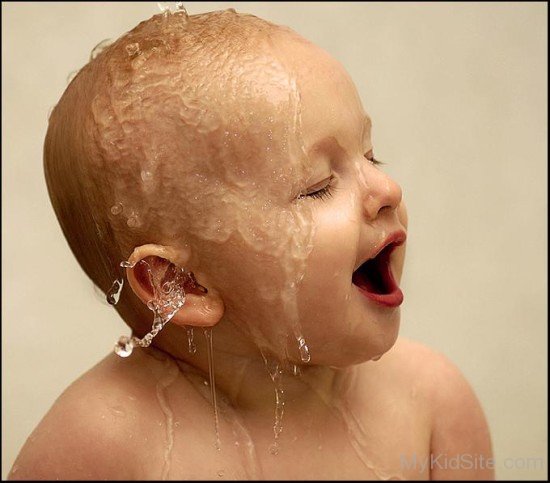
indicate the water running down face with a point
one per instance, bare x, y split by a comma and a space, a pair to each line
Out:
255, 156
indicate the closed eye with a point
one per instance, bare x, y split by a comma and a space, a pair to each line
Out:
370, 157
321, 190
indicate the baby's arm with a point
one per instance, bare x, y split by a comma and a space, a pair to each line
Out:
460, 439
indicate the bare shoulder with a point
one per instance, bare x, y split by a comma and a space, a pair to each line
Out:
458, 425
423, 365
111, 424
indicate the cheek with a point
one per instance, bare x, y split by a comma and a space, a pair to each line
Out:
327, 281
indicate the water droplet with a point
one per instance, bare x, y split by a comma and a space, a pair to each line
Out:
127, 264
133, 49
205, 382
180, 10
146, 176
113, 295
118, 411
133, 221
164, 7
274, 448
71, 76
220, 473
190, 341
116, 209
210, 356
295, 370
304, 351
100, 48
124, 346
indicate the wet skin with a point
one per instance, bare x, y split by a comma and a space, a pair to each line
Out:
345, 416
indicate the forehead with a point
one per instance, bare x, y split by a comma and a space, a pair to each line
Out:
227, 111
329, 102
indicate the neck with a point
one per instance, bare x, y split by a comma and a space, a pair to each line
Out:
248, 378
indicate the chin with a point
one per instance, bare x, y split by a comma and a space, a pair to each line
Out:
357, 348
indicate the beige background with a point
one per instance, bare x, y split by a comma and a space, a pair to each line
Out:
458, 97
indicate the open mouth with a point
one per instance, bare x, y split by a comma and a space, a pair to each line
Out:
374, 279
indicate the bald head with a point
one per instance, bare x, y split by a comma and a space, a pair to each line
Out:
151, 123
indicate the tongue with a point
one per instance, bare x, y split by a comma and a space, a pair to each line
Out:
374, 275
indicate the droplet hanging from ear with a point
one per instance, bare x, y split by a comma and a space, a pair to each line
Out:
169, 295
124, 346
113, 295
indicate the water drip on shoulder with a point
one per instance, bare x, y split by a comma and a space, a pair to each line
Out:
171, 373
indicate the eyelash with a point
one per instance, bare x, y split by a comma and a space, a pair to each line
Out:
327, 192
323, 193
374, 161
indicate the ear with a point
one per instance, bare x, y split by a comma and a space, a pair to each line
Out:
203, 306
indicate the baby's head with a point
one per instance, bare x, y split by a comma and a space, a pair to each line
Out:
233, 148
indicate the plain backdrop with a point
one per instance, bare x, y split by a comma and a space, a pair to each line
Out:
458, 96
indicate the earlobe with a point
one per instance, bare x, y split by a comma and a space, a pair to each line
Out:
157, 281
200, 310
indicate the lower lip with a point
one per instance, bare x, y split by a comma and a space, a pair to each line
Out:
392, 299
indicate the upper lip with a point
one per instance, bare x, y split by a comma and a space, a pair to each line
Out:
395, 238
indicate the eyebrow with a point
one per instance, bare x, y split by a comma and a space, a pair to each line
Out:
330, 143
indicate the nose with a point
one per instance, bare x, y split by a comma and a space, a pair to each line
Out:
380, 193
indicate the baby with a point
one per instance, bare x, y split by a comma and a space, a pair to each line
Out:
228, 164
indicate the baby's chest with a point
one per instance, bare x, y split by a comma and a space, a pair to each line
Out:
388, 438
390, 443
384, 449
